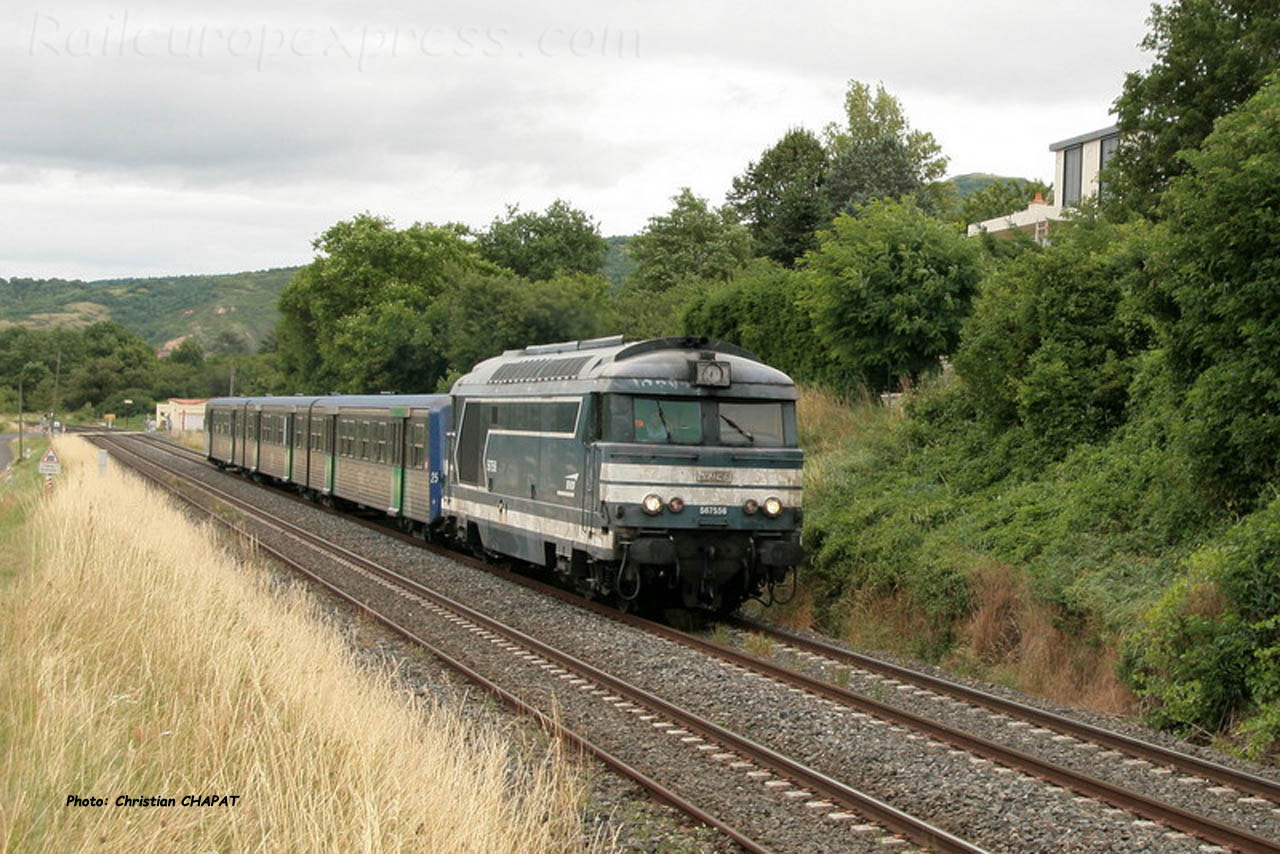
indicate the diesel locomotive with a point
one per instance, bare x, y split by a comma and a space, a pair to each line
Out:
658, 473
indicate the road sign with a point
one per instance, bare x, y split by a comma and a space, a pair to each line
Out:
49, 463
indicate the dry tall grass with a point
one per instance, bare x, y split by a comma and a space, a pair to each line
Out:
831, 429
193, 439
139, 659
1016, 639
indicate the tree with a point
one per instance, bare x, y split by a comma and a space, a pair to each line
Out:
562, 239
189, 352
782, 197
1001, 197
354, 319
876, 154
765, 308
1216, 299
693, 241
113, 359
1210, 56
891, 288
1052, 344
230, 342
483, 314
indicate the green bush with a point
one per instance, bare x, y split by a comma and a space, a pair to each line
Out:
890, 289
1208, 654
1053, 336
1216, 297
765, 308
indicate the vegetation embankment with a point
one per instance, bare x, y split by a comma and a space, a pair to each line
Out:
142, 660
1084, 503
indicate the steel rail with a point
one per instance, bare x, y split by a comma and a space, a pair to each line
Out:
510, 700
1155, 809
1202, 826
1244, 781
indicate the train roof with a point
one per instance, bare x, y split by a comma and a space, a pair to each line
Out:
333, 402
653, 366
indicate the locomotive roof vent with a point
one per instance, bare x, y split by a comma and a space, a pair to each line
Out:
539, 370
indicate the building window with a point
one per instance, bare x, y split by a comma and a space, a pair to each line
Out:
1072, 161
1106, 150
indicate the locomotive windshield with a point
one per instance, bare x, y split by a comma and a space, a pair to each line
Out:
662, 422
681, 421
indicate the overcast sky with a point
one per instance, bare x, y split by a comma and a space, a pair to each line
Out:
218, 137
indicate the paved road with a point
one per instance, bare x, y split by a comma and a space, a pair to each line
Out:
9, 446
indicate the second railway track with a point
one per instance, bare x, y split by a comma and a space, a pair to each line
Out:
824, 708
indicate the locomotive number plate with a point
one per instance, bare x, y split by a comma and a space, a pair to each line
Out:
713, 511
714, 476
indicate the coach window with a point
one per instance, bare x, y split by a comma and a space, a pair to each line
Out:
347, 437
418, 446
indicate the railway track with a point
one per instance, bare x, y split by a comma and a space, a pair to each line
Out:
1261, 791
1240, 781
841, 804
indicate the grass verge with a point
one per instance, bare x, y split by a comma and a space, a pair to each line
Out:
141, 660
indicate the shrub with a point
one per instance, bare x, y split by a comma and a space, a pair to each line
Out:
1208, 654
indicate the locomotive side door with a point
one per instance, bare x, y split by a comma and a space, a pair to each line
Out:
590, 465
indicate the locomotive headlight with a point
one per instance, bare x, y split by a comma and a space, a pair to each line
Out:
652, 504
675, 505
772, 507
751, 506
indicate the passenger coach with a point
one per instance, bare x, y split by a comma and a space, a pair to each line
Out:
381, 452
662, 472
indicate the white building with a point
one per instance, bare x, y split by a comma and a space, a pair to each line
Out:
1077, 162
181, 413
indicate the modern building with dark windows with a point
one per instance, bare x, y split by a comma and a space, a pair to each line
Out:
1077, 164
1079, 160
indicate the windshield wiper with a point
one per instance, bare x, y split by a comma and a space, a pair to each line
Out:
727, 420
663, 419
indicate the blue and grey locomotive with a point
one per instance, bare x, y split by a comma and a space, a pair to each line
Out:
664, 472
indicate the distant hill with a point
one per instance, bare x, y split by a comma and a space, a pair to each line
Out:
973, 182
159, 309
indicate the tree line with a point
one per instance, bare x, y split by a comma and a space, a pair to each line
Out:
1120, 383
93, 370
408, 309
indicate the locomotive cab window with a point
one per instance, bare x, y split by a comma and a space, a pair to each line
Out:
758, 425
674, 422
684, 421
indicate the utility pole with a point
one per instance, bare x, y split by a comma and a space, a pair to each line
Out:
19, 416
57, 374
231, 391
